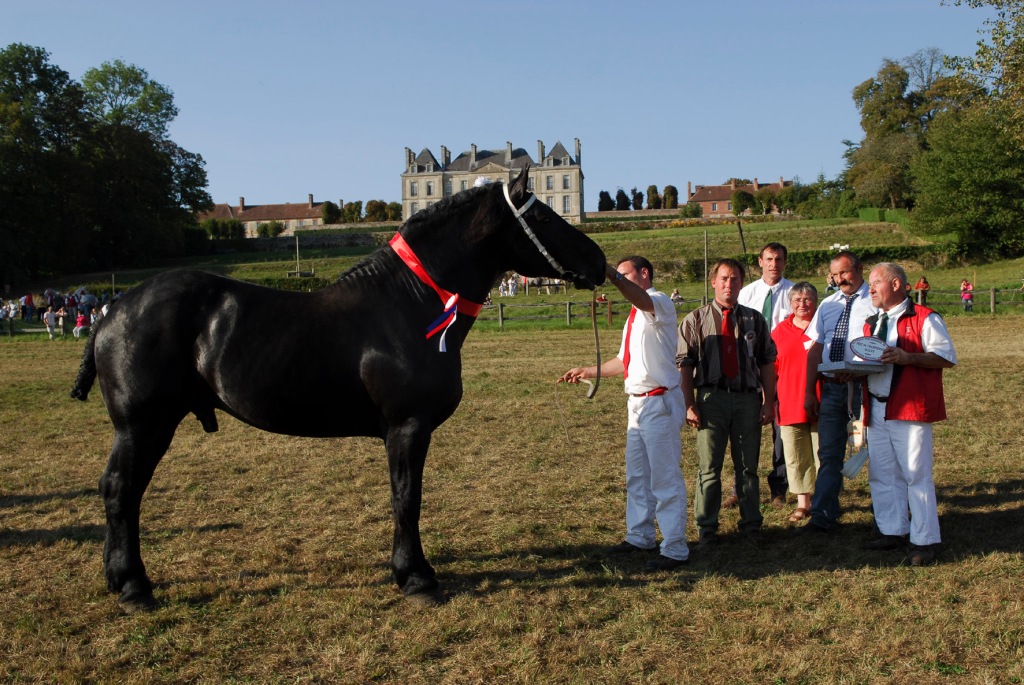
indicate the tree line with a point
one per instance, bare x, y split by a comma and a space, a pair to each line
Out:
943, 143
88, 175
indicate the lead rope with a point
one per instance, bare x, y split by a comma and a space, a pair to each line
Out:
592, 390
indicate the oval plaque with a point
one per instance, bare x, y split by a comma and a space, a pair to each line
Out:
869, 347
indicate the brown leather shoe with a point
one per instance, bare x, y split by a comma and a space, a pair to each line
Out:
922, 555
730, 502
779, 502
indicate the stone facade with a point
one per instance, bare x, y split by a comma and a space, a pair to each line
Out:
556, 178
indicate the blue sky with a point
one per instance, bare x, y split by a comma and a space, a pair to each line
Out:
283, 99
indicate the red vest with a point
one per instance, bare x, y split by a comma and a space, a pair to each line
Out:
915, 393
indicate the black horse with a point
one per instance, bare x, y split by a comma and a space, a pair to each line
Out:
379, 356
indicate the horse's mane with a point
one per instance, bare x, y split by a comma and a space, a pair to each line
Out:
426, 220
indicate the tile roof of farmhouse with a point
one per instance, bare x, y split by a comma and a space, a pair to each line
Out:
723, 193
289, 211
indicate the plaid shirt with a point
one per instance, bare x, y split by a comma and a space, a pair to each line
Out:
700, 340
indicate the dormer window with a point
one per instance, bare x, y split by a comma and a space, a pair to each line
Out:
430, 168
565, 161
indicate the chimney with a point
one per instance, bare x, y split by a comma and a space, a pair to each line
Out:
408, 158
508, 153
311, 200
782, 183
341, 203
241, 204
732, 183
472, 155
540, 153
578, 162
689, 189
756, 186
446, 157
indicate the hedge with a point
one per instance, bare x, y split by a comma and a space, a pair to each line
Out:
871, 214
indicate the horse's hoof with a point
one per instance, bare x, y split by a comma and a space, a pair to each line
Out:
135, 603
426, 599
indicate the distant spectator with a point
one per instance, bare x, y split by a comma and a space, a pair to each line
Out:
967, 295
922, 288
676, 297
82, 323
50, 320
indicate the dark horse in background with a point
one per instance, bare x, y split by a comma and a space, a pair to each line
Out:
362, 364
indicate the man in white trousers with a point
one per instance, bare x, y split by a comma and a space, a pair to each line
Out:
655, 489
901, 403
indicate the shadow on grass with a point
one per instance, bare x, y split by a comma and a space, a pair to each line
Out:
10, 501
14, 537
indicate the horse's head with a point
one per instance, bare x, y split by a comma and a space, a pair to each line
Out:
544, 244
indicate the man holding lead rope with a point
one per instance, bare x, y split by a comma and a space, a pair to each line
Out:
655, 489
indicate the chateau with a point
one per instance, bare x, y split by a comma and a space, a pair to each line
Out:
555, 178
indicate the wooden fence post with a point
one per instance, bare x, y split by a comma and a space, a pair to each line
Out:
610, 324
993, 300
568, 314
501, 315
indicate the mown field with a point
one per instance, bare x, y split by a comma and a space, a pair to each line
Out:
270, 553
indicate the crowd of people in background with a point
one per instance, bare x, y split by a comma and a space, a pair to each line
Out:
77, 309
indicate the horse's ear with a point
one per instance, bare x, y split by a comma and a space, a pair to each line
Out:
520, 185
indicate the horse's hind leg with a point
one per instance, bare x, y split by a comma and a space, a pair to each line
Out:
133, 458
407, 451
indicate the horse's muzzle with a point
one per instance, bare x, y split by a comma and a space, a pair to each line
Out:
580, 281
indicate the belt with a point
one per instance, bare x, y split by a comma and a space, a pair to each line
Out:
651, 393
725, 388
830, 379
877, 397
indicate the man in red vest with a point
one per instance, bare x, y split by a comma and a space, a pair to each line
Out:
901, 403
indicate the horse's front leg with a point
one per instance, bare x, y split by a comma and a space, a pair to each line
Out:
407, 445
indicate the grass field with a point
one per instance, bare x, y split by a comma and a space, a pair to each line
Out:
270, 553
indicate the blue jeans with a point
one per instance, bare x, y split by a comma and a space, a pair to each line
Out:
833, 417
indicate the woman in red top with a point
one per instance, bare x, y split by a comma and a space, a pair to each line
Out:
799, 434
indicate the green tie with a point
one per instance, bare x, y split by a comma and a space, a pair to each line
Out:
766, 308
883, 326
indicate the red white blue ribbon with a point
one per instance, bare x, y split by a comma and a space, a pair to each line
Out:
453, 304
443, 322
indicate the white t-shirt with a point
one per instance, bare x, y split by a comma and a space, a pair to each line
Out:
652, 347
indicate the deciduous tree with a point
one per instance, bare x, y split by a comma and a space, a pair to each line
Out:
653, 198
330, 213
124, 95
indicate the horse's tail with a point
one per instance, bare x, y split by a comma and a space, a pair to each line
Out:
87, 370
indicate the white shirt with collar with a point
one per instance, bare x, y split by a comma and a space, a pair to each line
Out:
934, 338
752, 295
823, 325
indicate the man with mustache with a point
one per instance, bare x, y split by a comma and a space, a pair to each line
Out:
839, 318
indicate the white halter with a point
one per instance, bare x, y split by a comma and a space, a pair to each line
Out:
529, 232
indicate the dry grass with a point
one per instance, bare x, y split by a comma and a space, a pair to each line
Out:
270, 553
